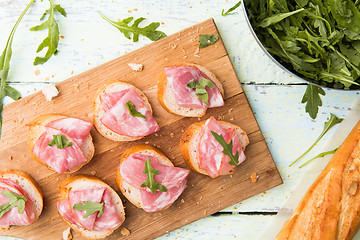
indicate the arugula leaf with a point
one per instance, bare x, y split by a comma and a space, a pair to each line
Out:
132, 110
150, 181
90, 208
227, 148
323, 154
200, 87
5, 90
312, 99
277, 18
52, 40
327, 126
207, 40
14, 201
230, 11
148, 31
60, 141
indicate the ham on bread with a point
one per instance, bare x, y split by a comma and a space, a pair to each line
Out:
44, 128
204, 154
22, 184
130, 177
175, 95
79, 189
113, 119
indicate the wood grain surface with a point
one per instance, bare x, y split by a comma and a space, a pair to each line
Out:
202, 197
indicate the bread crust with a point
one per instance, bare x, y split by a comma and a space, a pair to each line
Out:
162, 88
64, 190
189, 137
36, 128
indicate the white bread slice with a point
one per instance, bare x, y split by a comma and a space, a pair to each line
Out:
99, 111
190, 141
82, 182
28, 184
36, 129
167, 99
130, 192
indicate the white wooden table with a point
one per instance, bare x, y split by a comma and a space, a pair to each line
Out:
274, 95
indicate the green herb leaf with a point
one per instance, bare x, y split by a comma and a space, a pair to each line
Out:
230, 11
150, 181
90, 208
327, 126
5, 90
277, 18
52, 40
60, 141
14, 201
227, 148
312, 99
207, 40
132, 110
200, 87
323, 154
148, 31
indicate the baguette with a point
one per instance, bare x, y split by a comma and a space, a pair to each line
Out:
167, 99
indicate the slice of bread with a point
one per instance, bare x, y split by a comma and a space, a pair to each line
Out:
167, 98
36, 129
130, 192
29, 186
99, 111
190, 141
82, 182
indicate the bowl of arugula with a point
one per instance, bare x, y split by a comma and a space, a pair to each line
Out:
316, 40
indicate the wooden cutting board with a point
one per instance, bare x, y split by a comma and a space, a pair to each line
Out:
203, 195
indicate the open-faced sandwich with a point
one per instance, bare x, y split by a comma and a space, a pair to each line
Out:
123, 113
148, 179
188, 90
213, 147
61, 143
90, 206
21, 200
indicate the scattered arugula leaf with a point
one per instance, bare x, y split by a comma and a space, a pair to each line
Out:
52, 40
227, 148
231, 10
5, 90
60, 141
132, 110
90, 208
323, 154
150, 181
14, 201
207, 40
327, 126
200, 87
312, 99
148, 31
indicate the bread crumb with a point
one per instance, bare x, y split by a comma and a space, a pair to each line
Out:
230, 110
205, 212
197, 56
93, 172
171, 134
67, 234
37, 72
200, 198
172, 45
197, 50
254, 177
77, 87
10, 157
137, 67
26, 101
231, 119
183, 49
124, 231
182, 200
72, 72
50, 92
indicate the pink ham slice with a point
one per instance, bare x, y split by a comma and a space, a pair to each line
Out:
13, 217
118, 119
210, 155
179, 77
61, 160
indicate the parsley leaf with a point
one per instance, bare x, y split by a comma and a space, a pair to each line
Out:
150, 181
90, 208
148, 31
227, 148
60, 141
230, 11
207, 40
14, 201
200, 88
132, 110
312, 99
323, 154
52, 40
